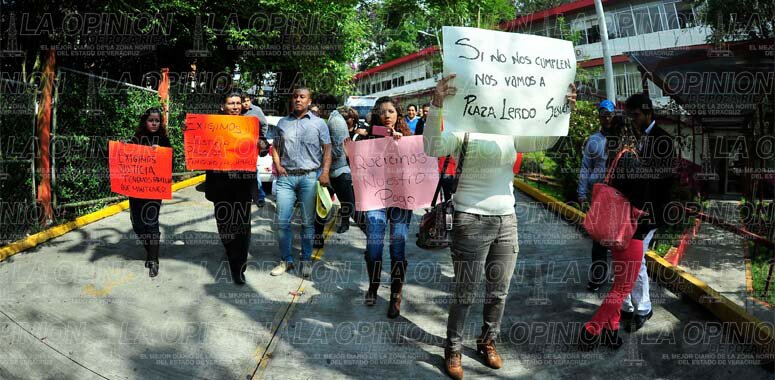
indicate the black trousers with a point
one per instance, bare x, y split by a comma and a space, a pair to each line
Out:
598, 270
233, 221
144, 214
343, 188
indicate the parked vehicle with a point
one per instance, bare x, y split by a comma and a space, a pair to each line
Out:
362, 104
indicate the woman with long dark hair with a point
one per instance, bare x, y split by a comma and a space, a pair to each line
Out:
144, 213
387, 121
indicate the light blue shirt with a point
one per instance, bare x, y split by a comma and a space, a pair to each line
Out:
299, 141
412, 124
593, 165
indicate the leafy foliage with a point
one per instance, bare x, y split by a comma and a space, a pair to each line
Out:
396, 25
734, 20
568, 152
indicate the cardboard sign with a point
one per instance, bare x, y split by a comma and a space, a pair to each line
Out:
392, 173
221, 142
140, 171
507, 83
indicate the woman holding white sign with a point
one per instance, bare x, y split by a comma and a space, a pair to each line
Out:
386, 121
484, 233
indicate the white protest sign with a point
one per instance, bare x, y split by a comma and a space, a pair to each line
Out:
507, 83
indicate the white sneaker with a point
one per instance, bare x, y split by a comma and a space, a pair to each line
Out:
306, 269
281, 268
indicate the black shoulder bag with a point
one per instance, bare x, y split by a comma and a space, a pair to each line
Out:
436, 224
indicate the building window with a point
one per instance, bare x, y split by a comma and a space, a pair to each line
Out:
401, 80
656, 12
625, 24
685, 15
593, 32
642, 20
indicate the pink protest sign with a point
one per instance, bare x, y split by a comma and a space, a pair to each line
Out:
392, 173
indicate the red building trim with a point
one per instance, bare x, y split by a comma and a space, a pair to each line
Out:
621, 58
542, 15
398, 61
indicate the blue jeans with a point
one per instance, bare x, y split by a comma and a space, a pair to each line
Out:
375, 230
289, 188
261, 193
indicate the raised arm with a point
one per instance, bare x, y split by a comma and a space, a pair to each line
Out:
437, 143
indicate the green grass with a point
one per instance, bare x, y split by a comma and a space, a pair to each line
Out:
555, 191
670, 236
760, 266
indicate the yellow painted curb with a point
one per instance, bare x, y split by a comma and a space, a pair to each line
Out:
722, 307
570, 213
56, 231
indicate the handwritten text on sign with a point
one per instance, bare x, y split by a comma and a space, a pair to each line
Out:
140, 171
221, 142
508, 83
392, 173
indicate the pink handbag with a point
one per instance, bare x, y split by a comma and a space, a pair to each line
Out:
611, 220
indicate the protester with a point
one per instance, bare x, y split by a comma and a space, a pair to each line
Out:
593, 170
646, 180
248, 109
231, 193
144, 213
484, 228
423, 119
411, 117
341, 179
386, 115
356, 130
302, 156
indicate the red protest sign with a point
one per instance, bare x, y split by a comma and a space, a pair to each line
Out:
221, 142
140, 171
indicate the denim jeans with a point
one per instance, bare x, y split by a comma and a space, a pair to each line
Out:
484, 249
261, 193
289, 188
376, 221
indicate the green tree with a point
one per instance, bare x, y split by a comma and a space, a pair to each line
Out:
396, 25
734, 20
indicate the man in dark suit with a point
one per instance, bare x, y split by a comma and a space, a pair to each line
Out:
649, 188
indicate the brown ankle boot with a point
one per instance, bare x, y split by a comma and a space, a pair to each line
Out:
397, 274
453, 364
486, 347
374, 270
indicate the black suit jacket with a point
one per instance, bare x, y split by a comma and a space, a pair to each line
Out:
647, 181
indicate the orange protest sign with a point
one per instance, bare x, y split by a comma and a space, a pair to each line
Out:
140, 171
221, 142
